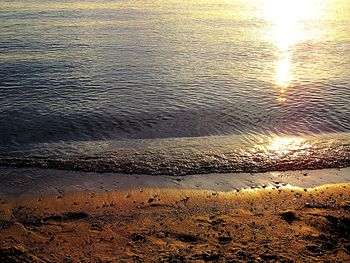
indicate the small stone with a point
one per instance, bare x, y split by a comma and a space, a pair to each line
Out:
224, 240
312, 248
288, 216
137, 237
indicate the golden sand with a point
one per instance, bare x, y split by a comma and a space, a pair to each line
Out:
168, 225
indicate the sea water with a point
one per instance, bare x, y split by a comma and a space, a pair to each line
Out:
175, 87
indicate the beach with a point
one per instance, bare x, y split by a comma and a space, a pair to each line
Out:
159, 224
174, 131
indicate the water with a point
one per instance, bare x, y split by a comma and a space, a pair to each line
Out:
175, 87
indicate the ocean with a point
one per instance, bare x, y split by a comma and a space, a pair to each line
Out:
167, 87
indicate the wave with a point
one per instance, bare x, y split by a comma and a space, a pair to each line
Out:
183, 156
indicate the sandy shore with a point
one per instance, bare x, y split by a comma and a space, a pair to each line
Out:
178, 225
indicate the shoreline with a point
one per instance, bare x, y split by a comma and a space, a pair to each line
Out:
22, 182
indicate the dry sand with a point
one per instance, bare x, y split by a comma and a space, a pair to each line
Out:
178, 225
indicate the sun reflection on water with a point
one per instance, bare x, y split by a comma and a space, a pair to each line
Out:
287, 18
283, 145
283, 76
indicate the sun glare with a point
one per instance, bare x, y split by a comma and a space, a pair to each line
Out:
283, 145
283, 76
287, 19
280, 144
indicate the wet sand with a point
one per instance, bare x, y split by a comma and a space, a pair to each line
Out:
178, 225
21, 182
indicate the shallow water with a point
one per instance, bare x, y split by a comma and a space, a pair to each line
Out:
175, 87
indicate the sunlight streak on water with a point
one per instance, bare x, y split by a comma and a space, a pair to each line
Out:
277, 145
288, 19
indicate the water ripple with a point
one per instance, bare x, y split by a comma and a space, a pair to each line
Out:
85, 71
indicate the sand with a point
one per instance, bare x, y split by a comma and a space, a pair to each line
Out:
179, 225
20, 182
